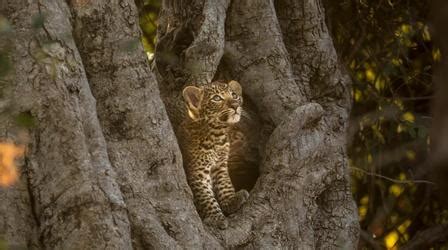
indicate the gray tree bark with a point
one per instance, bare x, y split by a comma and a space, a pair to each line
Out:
102, 166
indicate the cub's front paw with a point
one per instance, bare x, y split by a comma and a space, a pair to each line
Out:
234, 204
217, 221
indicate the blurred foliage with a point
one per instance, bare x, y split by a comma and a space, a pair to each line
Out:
387, 47
148, 23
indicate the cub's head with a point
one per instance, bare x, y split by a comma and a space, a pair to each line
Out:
214, 102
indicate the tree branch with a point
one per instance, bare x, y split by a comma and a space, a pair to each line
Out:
428, 238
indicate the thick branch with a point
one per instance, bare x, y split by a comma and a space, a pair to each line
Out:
439, 129
17, 205
304, 157
315, 63
256, 55
77, 203
428, 238
313, 56
190, 46
141, 143
191, 39
279, 206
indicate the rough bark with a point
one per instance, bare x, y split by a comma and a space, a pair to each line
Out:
141, 145
73, 197
311, 207
315, 65
103, 168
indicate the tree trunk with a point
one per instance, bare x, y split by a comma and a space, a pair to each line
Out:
102, 166
439, 129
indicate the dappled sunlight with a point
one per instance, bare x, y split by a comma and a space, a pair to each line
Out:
9, 152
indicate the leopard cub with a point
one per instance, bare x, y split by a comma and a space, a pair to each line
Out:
204, 139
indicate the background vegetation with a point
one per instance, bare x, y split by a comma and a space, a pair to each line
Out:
388, 50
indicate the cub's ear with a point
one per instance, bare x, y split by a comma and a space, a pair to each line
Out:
193, 97
236, 87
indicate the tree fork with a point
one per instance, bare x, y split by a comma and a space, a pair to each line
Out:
103, 168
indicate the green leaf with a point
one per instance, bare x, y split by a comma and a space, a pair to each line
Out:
413, 132
422, 132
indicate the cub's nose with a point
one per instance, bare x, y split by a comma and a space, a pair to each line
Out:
234, 105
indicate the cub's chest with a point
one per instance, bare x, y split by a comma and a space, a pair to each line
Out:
214, 142
219, 139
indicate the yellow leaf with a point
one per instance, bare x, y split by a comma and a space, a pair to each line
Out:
406, 28
364, 200
402, 228
400, 128
369, 158
391, 239
397, 61
410, 155
360, 75
379, 84
396, 189
357, 95
436, 55
408, 116
426, 34
402, 177
370, 75
362, 211
399, 104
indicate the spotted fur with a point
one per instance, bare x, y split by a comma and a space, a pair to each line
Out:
204, 135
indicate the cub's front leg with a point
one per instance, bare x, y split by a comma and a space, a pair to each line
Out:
229, 200
204, 199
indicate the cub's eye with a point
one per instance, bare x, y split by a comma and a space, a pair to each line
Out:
216, 98
235, 96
